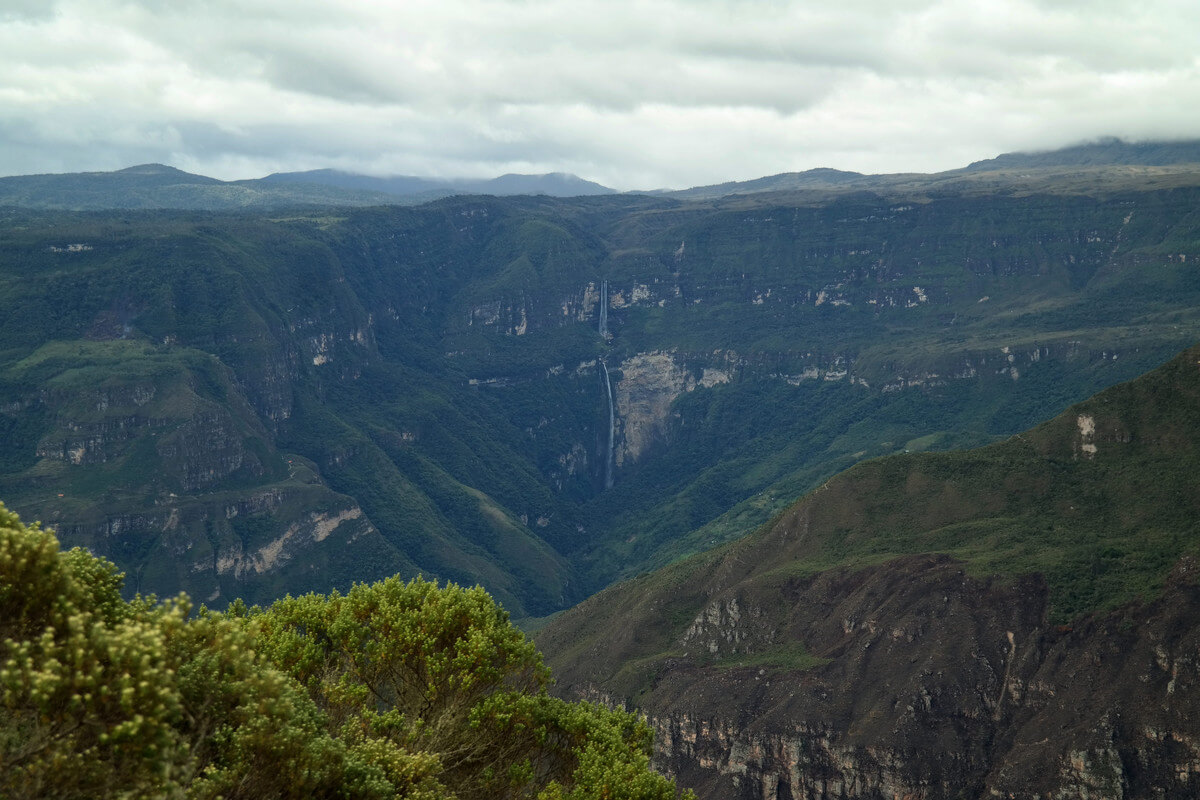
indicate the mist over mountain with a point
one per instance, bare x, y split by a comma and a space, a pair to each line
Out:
1103, 152
1105, 165
397, 185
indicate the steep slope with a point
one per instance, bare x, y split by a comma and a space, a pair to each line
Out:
444, 368
1015, 620
774, 329
153, 457
168, 391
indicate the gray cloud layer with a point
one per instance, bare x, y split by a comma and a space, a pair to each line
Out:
633, 93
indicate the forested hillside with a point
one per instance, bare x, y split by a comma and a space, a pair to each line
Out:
1016, 620
254, 403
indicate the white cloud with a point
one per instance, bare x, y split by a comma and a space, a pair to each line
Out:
634, 93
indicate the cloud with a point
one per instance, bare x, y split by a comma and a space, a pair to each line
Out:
634, 93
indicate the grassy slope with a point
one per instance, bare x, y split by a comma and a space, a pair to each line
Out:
1103, 528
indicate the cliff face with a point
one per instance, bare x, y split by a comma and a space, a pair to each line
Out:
448, 369
943, 686
244, 544
1019, 620
647, 386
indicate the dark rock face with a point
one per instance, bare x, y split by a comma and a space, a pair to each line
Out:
941, 685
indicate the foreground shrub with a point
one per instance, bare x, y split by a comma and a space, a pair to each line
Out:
391, 690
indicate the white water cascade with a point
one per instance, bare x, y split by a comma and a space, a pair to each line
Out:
604, 309
608, 395
612, 428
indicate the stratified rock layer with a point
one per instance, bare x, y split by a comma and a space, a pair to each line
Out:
939, 685
1018, 620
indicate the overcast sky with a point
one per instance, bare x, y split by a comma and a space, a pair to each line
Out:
646, 94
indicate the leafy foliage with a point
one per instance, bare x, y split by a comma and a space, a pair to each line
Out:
391, 690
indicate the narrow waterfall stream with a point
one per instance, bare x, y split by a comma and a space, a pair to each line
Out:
612, 428
608, 395
604, 309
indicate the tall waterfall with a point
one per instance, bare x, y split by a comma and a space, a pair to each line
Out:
612, 428
610, 456
604, 308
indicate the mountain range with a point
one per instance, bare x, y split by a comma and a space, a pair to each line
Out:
156, 186
249, 403
554, 184
250, 389
1106, 165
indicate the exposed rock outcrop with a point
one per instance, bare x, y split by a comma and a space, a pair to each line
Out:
935, 685
649, 383
842, 651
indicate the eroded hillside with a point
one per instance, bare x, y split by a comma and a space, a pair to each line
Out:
1015, 620
242, 405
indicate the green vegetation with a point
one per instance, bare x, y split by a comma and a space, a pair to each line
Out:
1101, 503
433, 370
792, 657
391, 690
1101, 500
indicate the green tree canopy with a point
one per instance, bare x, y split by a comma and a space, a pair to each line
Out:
391, 690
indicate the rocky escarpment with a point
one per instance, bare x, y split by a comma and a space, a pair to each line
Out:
939, 685
920, 681
220, 546
152, 456
622, 380
1018, 620
647, 385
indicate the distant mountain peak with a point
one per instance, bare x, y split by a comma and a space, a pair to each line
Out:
150, 169
556, 184
1105, 151
159, 174
817, 178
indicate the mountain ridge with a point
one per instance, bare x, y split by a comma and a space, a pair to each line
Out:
1103, 151
918, 623
1084, 163
149, 186
231, 404
1106, 165
553, 184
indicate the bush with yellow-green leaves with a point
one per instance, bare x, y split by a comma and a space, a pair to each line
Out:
391, 690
